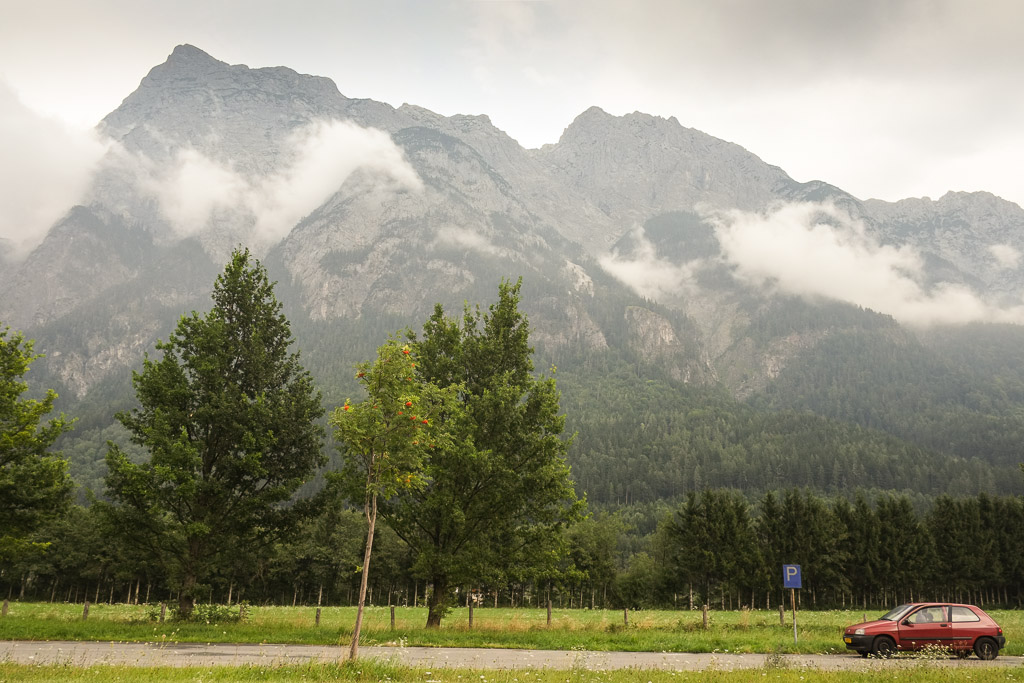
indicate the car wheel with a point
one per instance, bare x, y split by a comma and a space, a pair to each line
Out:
884, 647
986, 648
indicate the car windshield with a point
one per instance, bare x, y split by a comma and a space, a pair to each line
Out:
895, 613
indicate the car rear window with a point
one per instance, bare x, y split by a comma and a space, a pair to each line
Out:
964, 614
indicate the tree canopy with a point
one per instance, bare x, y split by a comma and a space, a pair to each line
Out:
498, 494
228, 416
34, 482
386, 438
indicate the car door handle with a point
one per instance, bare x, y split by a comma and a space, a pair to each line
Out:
944, 625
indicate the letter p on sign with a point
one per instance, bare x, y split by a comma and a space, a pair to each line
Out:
791, 576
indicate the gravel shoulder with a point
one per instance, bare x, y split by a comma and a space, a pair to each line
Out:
224, 654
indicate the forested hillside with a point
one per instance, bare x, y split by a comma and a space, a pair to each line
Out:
858, 412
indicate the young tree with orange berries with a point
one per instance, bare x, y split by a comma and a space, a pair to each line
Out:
386, 438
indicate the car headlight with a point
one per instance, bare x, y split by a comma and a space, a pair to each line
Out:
859, 632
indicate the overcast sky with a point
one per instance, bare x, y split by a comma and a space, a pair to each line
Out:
883, 98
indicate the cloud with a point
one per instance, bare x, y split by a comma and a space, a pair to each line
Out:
46, 168
1006, 256
817, 250
646, 274
326, 154
197, 190
465, 238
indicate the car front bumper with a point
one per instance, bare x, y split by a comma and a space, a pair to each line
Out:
860, 643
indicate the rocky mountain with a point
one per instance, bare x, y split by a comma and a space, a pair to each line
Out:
368, 215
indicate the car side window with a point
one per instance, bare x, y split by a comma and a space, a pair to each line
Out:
962, 614
928, 615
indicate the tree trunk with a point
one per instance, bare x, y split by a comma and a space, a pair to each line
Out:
437, 602
186, 596
370, 508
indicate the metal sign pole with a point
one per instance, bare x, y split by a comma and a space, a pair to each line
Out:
792, 580
792, 601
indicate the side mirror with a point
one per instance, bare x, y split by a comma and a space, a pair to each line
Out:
906, 622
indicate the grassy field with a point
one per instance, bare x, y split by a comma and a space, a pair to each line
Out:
648, 630
374, 672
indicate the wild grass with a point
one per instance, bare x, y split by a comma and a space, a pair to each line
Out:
758, 631
366, 671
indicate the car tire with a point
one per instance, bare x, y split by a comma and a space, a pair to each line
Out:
884, 646
986, 649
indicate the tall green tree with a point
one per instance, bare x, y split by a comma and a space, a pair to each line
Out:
802, 529
386, 439
712, 544
228, 415
864, 538
34, 482
593, 547
498, 496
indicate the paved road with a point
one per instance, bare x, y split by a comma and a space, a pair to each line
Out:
202, 654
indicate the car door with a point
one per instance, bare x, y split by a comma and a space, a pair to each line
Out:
966, 626
927, 625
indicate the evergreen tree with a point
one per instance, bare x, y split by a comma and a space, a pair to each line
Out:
714, 544
228, 416
34, 483
862, 545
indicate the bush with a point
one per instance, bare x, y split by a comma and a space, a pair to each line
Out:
215, 614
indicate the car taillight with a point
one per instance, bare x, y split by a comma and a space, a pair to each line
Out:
999, 630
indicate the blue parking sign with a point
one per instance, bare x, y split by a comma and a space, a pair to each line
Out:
791, 576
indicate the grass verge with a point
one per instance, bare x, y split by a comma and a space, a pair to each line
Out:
603, 630
370, 671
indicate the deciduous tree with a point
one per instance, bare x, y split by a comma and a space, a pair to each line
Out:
498, 496
386, 439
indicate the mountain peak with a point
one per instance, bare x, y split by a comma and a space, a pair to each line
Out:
189, 53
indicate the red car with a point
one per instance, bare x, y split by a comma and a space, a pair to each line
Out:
961, 628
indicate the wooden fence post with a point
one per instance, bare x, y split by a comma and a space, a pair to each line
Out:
625, 616
163, 611
317, 616
6, 606
782, 613
549, 610
471, 614
705, 616
392, 617
85, 611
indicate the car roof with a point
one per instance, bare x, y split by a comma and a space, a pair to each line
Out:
937, 604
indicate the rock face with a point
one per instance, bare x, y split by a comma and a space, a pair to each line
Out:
635, 167
976, 235
437, 209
